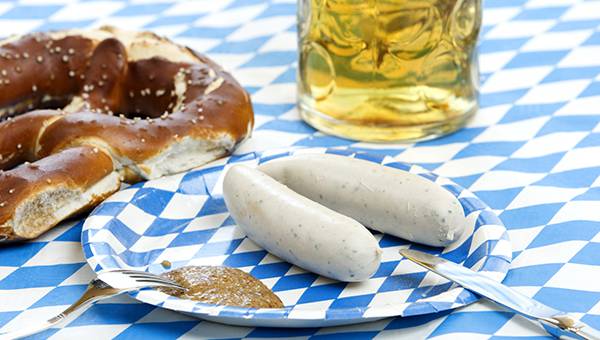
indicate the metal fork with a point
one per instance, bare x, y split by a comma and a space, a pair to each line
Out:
107, 284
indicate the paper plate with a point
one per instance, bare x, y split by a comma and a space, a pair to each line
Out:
183, 219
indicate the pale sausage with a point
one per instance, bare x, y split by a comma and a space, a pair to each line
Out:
298, 229
382, 198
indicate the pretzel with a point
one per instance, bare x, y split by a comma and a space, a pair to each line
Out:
110, 106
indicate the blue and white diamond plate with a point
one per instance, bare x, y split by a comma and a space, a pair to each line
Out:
183, 219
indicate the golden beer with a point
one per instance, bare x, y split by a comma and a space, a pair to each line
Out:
385, 70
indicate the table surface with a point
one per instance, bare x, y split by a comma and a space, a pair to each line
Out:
532, 153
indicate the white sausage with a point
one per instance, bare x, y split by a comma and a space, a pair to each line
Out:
297, 229
389, 200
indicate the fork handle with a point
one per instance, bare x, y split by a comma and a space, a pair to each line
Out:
97, 290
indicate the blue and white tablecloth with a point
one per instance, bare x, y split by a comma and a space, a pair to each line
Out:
532, 153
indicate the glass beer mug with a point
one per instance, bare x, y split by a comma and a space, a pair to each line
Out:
388, 70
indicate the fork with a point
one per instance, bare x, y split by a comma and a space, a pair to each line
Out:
107, 284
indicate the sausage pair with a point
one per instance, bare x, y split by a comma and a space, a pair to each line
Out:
311, 210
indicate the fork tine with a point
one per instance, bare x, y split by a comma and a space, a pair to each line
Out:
150, 276
163, 284
127, 271
146, 277
130, 272
157, 279
135, 272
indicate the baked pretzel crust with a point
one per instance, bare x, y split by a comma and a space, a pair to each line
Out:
110, 106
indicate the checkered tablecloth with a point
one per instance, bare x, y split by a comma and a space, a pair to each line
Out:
532, 153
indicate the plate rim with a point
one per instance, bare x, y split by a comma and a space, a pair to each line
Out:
256, 316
